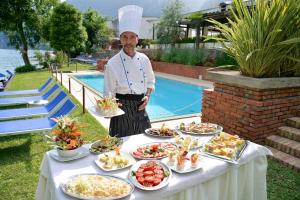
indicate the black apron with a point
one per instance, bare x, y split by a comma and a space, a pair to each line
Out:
133, 121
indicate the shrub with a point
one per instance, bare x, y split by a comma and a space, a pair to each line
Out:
224, 60
25, 68
184, 56
263, 39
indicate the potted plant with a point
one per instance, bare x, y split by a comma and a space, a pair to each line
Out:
263, 37
67, 136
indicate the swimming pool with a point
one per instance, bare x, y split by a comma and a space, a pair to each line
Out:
170, 99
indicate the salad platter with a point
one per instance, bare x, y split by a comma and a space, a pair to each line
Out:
200, 128
226, 147
96, 186
95, 111
155, 150
150, 175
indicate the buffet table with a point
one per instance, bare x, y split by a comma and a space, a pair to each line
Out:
217, 180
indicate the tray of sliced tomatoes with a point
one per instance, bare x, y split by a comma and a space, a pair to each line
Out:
156, 150
150, 175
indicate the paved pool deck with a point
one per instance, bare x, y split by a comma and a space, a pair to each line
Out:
76, 90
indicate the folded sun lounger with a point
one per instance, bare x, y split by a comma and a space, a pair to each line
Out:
26, 100
10, 73
25, 92
34, 125
11, 114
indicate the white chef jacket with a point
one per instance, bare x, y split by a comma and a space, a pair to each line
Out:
126, 75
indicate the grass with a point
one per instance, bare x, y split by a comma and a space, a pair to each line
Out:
282, 182
21, 156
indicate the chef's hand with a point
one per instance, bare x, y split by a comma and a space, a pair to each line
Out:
145, 100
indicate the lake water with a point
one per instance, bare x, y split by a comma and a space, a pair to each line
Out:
11, 58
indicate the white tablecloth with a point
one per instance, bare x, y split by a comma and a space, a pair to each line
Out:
217, 180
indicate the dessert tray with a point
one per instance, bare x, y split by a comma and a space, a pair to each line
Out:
150, 175
96, 186
225, 147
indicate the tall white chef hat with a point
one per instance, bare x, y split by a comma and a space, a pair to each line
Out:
130, 18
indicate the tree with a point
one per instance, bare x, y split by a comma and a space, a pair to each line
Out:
97, 30
21, 20
168, 29
66, 31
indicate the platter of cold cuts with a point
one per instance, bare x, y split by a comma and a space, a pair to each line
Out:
156, 150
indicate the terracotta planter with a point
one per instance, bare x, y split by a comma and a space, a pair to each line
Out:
197, 72
251, 107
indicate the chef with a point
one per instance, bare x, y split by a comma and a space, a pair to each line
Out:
129, 77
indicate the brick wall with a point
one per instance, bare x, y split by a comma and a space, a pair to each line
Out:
180, 69
249, 112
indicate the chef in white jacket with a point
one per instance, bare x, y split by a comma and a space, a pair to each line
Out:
129, 77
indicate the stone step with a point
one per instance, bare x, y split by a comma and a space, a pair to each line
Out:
284, 144
293, 122
289, 132
286, 159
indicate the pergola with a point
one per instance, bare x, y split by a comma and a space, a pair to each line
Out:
201, 24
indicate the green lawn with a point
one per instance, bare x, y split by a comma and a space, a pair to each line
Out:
21, 156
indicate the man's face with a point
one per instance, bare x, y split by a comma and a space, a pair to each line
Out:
129, 40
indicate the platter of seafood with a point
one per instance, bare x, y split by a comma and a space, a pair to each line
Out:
226, 147
105, 144
96, 186
163, 131
200, 128
150, 175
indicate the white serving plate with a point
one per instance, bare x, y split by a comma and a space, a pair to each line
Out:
148, 132
94, 110
219, 129
187, 168
100, 164
200, 144
134, 181
81, 153
63, 187
148, 144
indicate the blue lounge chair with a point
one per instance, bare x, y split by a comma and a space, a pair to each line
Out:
26, 100
25, 92
10, 73
11, 114
2, 75
17, 127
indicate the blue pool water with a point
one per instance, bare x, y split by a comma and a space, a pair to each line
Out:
170, 98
